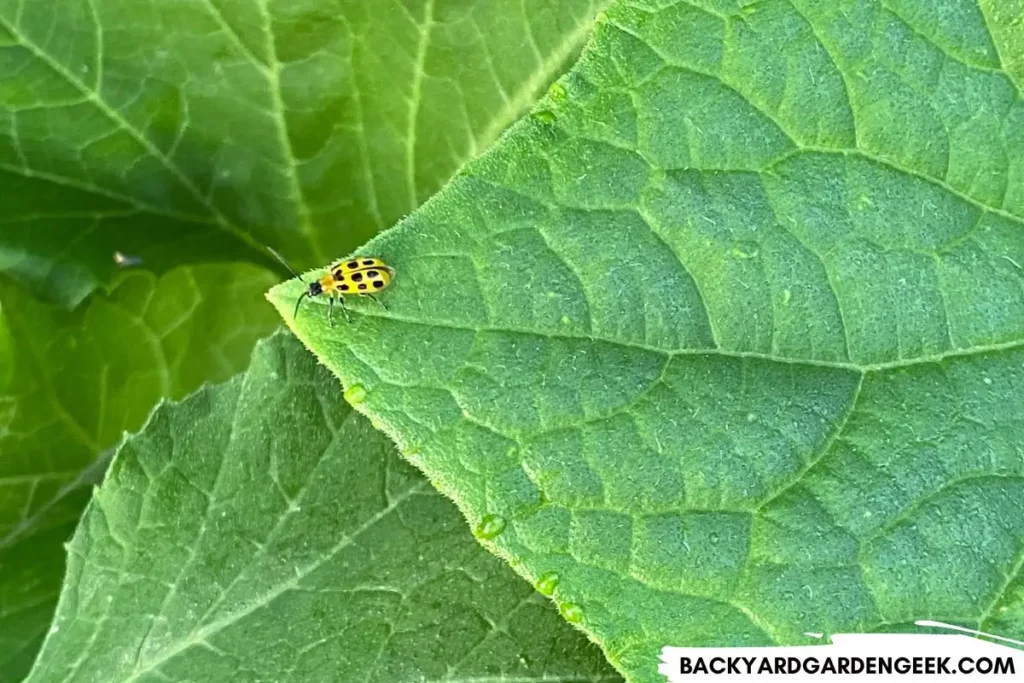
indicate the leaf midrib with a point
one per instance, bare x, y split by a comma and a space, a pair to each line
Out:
200, 635
132, 204
119, 121
835, 436
975, 350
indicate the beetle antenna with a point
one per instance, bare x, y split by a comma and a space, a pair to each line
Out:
284, 263
298, 303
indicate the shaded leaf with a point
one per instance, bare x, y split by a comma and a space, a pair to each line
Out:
729, 334
262, 530
71, 383
222, 126
31, 571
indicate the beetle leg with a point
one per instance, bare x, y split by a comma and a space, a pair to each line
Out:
382, 304
330, 310
344, 308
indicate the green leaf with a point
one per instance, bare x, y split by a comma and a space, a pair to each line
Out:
71, 383
30, 576
729, 335
197, 135
222, 126
262, 530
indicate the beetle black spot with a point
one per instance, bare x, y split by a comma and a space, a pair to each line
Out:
353, 264
371, 273
368, 262
357, 277
378, 283
344, 288
362, 286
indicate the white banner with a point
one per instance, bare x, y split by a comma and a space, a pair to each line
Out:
855, 657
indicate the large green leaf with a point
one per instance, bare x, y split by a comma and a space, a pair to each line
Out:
729, 336
198, 130
71, 383
262, 530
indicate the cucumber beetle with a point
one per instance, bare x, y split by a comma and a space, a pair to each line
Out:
358, 276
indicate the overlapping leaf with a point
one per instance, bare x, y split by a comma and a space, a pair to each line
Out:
726, 341
199, 130
262, 530
71, 384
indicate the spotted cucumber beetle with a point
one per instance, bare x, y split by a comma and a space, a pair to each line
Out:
359, 276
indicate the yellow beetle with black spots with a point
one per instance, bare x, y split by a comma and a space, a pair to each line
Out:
358, 276
362, 276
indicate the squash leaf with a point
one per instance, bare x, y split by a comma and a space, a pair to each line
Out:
263, 530
728, 336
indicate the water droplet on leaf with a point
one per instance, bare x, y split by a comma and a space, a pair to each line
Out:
490, 527
355, 394
557, 92
571, 612
544, 116
547, 583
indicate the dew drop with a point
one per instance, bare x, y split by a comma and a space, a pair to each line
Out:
544, 116
566, 320
490, 527
557, 92
987, 380
571, 612
751, 417
786, 297
547, 583
714, 538
355, 394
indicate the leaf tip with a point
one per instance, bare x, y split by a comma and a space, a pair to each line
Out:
282, 296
